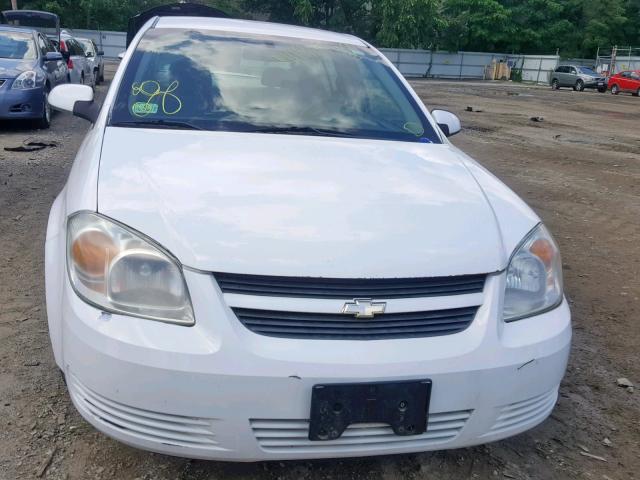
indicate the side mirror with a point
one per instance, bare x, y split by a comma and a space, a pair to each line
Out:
101, 53
52, 56
447, 121
77, 99
121, 55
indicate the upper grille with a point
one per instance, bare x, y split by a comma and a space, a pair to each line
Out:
384, 288
330, 326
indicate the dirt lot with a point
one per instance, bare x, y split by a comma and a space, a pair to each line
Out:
579, 169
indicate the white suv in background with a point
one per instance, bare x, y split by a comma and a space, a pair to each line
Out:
267, 248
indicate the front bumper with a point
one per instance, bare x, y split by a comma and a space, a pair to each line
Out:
219, 391
20, 104
596, 83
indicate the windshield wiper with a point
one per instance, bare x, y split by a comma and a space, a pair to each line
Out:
158, 124
323, 132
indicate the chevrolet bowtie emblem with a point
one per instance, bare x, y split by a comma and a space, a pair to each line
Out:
363, 308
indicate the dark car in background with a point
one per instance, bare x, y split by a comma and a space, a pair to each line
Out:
30, 66
578, 78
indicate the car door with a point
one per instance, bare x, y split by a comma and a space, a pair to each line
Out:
78, 58
634, 82
99, 58
572, 76
623, 81
61, 70
565, 76
50, 67
85, 62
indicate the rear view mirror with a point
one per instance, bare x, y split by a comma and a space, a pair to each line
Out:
52, 56
77, 99
447, 121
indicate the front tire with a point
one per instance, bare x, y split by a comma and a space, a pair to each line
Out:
637, 93
602, 89
45, 121
615, 89
97, 77
579, 86
555, 84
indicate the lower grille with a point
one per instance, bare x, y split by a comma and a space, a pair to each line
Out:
1, 82
281, 436
161, 428
329, 326
525, 412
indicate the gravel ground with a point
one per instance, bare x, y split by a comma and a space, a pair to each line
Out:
579, 169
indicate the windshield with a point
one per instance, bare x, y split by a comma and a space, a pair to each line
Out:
18, 45
588, 71
213, 81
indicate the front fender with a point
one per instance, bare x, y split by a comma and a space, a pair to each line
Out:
54, 273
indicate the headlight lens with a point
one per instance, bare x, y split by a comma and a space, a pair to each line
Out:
118, 271
534, 277
25, 80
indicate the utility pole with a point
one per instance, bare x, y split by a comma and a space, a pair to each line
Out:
14, 4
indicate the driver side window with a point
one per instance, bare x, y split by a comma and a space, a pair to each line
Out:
42, 46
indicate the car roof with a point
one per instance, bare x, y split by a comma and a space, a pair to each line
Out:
256, 28
11, 28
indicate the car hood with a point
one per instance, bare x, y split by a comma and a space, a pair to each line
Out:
11, 68
299, 205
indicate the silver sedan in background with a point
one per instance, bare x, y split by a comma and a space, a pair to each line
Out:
95, 58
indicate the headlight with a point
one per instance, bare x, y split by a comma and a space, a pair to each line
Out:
534, 276
25, 80
118, 271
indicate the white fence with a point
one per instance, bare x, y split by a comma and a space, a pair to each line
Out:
468, 65
112, 43
627, 63
411, 63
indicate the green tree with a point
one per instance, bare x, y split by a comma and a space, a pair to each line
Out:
107, 14
575, 27
409, 23
476, 25
604, 25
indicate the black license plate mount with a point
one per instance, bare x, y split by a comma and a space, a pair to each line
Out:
402, 405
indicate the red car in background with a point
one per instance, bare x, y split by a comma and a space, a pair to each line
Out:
625, 82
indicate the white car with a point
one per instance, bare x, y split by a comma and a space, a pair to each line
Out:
267, 248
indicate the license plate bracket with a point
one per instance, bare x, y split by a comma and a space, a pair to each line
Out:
402, 405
